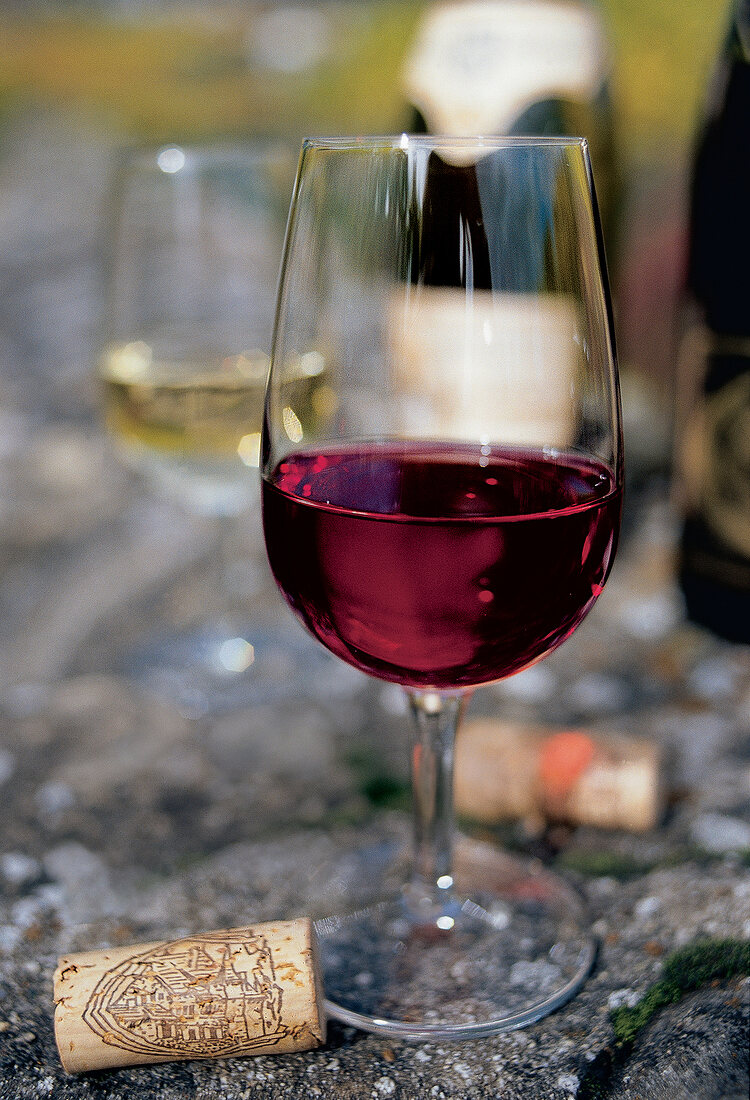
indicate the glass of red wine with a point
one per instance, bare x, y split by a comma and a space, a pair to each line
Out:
446, 516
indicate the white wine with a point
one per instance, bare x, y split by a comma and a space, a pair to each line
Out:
196, 409
192, 422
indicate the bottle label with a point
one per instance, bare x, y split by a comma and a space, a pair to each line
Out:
494, 368
726, 490
715, 440
477, 65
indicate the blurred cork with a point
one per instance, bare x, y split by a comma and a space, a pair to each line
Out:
506, 770
218, 994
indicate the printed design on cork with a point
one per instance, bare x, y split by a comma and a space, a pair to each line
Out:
211, 995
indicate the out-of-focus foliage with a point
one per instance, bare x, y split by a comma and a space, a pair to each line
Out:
664, 51
195, 76
198, 73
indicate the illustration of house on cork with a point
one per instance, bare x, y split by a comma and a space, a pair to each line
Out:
212, 995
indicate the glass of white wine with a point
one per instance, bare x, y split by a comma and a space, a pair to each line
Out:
195, 239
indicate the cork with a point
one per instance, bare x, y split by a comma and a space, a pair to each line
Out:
506, 770
222, 994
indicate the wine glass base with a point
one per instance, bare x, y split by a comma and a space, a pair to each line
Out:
510, 946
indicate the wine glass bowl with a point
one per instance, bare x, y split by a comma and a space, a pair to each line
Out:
194, 242
194, 249
449, 516
419, 568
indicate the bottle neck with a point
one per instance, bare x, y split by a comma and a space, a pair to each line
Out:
718, 267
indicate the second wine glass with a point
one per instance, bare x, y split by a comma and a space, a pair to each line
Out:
195, 238
450, 517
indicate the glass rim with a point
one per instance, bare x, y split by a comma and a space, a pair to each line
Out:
405, 141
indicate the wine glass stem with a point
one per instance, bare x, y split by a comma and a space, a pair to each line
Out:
436, 718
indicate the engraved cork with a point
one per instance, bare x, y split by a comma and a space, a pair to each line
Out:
218, 994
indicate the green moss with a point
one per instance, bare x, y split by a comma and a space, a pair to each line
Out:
685, 971
380, 787
601, 863
386, 792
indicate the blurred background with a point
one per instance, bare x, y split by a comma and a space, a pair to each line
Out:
80, 77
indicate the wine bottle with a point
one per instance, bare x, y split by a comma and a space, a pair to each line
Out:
531, 67
516, 67
713, 418
446, 349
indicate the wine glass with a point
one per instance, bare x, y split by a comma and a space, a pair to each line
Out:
448, 519
195, 241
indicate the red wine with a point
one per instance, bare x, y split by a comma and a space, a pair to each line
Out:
440, 566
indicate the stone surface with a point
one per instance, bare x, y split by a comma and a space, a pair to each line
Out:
141, 799
705, 1042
